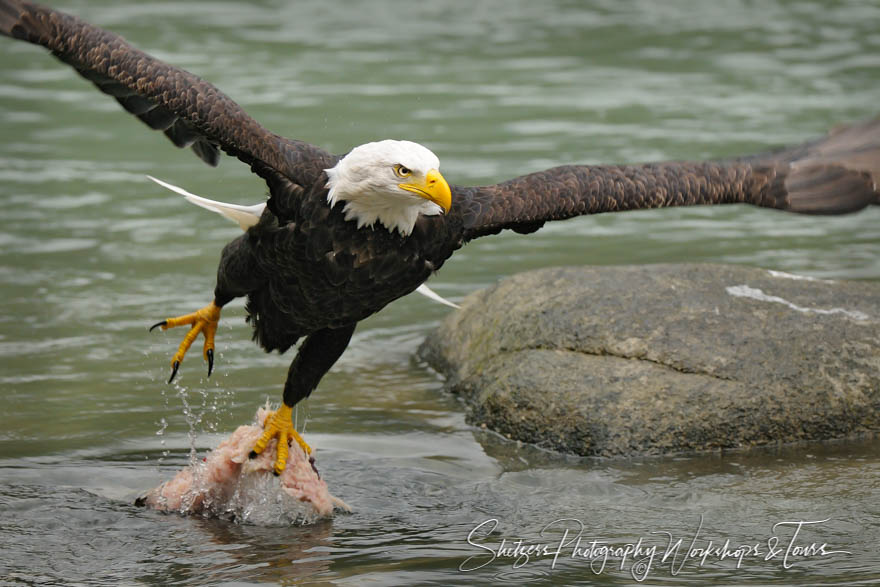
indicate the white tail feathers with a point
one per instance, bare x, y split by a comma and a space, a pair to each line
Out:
432, 295
247, 216
244, 216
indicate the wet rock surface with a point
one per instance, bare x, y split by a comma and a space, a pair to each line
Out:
665, 358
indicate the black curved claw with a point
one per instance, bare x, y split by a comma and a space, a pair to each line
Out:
210, 354
314, 468
276, 473
162, 323
174, 369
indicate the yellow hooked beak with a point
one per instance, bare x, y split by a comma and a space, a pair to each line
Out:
435, 189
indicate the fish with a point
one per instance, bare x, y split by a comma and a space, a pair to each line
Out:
227, 484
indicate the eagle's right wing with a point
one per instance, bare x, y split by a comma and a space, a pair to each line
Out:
190, 111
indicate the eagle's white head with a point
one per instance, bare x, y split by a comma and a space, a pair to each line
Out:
391, 182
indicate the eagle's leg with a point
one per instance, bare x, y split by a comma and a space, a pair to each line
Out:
204, 321
315, 357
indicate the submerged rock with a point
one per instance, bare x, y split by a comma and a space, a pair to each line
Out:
664, 358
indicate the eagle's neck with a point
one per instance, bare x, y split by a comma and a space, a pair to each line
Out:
391, 215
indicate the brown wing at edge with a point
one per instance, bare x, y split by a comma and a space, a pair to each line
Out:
836, 174
190, 111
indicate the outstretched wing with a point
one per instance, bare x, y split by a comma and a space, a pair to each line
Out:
836, 174
190, 111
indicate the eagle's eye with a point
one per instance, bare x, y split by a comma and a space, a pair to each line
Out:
401, 171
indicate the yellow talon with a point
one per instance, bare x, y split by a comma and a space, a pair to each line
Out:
201, 321
280, 424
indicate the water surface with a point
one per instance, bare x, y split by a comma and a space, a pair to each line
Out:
91, 254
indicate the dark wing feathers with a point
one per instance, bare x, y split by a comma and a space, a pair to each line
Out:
190, 111
177, 129
836, 174
564, 192
826, 188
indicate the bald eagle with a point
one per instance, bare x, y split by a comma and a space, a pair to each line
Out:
340, 237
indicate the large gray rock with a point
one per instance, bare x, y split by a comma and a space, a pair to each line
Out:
665, 358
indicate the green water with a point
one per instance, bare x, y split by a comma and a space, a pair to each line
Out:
91, 254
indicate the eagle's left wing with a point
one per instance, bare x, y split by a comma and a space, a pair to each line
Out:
836, 174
